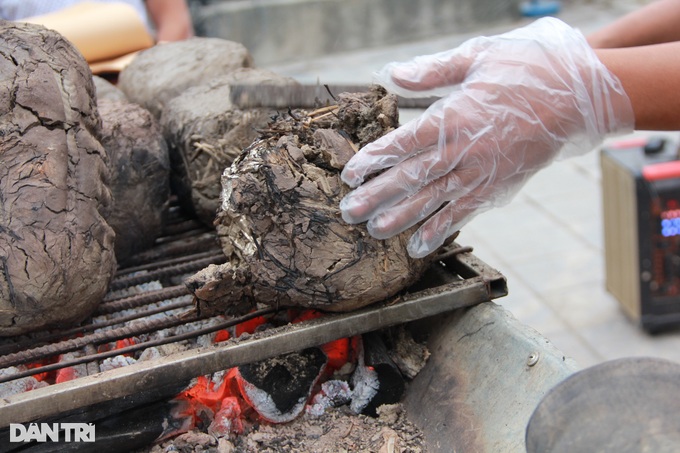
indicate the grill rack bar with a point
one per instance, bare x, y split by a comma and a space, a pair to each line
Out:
468, 281
95, 356
479, 283
139, 300
58, 337
167, 262
172, 270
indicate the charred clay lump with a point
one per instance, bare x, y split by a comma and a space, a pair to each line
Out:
56, 248
280, 226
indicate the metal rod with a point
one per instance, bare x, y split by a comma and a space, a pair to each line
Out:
168, 271
204, 241
181, 236
141, 299
14, 348
122, 382
448, 253
169, 261
182, 227
73, 344
96, 356
124, 303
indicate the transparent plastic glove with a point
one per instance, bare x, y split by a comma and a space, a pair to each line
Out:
510, 104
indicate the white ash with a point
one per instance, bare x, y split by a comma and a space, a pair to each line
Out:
118, 361
192, 327
389, 414
140, 323
224, 446
152, 306
192, 441
172, 348
390, 439
180, 329
151, 353
365, 385
333, 393
267, 408
18, 385
204, 341
345, 371
162, 350
136, 289
218, 377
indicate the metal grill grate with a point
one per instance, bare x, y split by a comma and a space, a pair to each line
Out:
458, 280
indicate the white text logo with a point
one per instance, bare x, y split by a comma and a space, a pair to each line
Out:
53, 432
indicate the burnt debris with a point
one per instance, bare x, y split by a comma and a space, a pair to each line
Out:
280, 224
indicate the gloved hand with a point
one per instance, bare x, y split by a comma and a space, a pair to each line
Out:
510, 104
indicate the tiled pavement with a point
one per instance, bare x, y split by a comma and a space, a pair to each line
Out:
548, 241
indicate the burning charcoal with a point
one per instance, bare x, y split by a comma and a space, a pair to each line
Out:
341, 353
227, 420
279, 388
208, 402
181, 419
280, 223
140, 175
71, 372
56, 248
205, 133
377, 379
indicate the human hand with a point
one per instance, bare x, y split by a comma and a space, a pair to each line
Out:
510, 104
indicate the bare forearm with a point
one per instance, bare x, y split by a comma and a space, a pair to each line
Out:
171, 19
650, 77
658, 22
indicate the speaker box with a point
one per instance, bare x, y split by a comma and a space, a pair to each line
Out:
641, 203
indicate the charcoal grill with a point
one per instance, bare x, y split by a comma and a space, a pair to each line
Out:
457, 280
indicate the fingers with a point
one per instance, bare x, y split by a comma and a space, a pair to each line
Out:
412, 138
408, 178
443, 150
379, 194
430, 71
445, 129
435, 74
421, 205
385, 152
509, 105
451, 218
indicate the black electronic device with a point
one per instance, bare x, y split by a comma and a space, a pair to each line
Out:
641, 203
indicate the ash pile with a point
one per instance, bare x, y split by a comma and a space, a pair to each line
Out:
89, 171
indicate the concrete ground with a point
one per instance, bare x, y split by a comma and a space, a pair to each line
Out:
549, 240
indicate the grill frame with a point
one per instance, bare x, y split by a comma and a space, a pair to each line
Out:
457, 280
